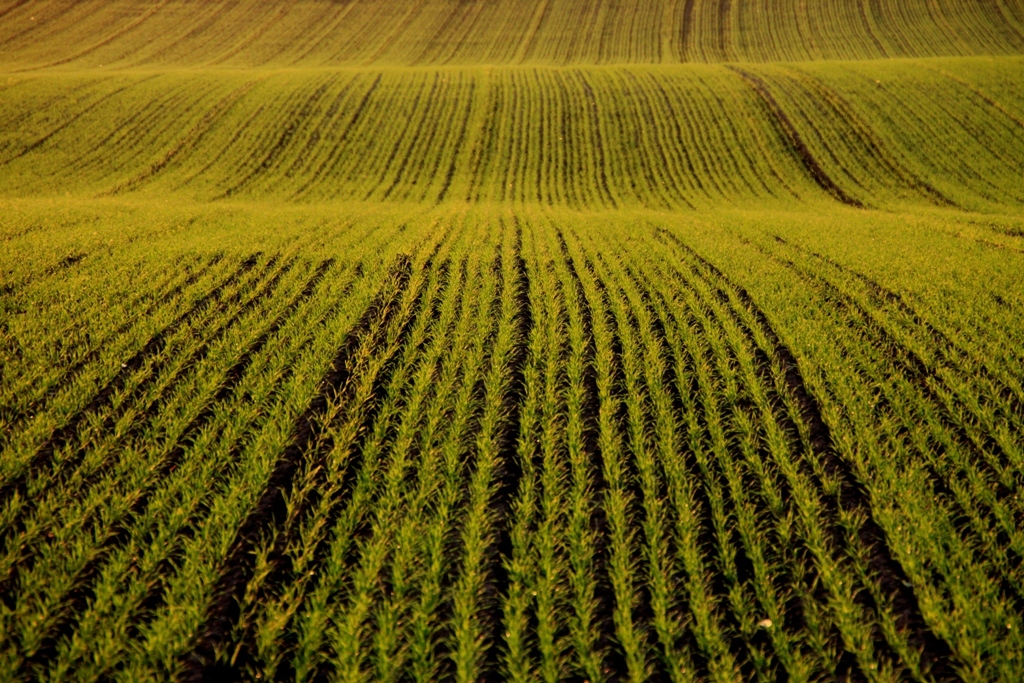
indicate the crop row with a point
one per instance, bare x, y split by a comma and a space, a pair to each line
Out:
927, 444
145, 451
948, 134
510, 444
251, 33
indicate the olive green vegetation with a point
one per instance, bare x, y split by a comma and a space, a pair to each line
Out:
880, 134
318, 33
497, 341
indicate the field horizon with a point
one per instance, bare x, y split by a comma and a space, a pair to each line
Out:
511, 341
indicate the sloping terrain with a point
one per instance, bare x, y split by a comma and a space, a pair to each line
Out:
945, 133
479, 341
318, 33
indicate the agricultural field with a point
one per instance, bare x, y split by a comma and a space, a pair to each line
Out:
524, 340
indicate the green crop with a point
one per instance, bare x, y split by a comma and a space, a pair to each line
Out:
526, 340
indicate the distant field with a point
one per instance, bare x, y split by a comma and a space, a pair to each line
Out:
935, 132
318, 33
479, 341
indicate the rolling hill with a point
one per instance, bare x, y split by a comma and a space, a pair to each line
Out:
512, 340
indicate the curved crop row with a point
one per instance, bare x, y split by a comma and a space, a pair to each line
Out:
675, 138
515, 444
256, 33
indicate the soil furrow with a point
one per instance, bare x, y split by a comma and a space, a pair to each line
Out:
199, 663
589, 477
789, 131
921, 375
68, 375
63, 435
853, 496
508, 472
626, 490
154, 598
69, 467
887, 297
283, 142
